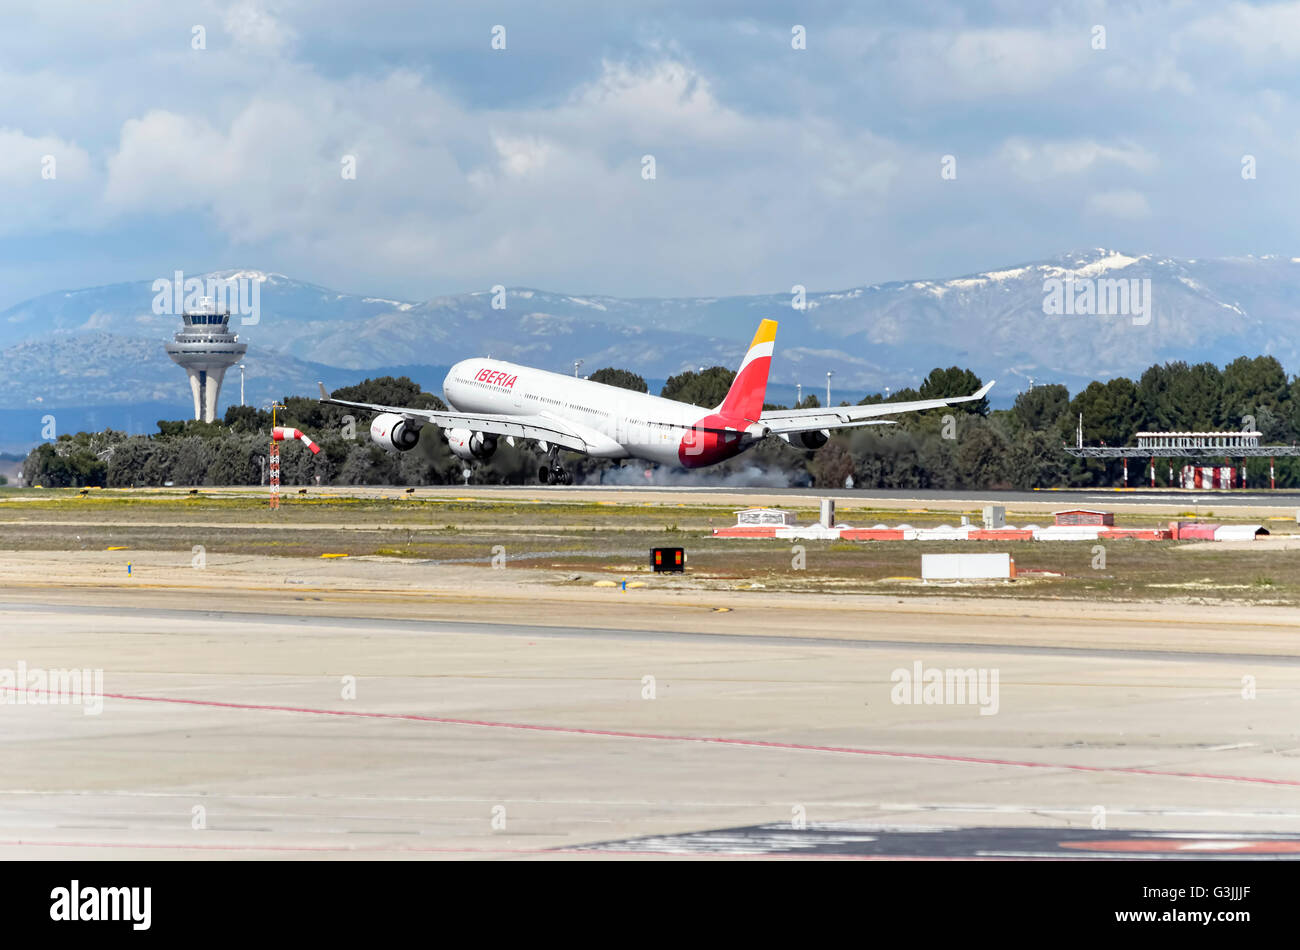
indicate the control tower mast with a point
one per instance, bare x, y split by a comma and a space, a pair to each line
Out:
205, 348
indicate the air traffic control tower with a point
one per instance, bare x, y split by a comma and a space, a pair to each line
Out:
205, 348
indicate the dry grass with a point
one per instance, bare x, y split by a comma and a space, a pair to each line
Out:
615, 538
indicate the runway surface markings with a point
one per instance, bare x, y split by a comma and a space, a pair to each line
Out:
1135, 810
561, 851
1174, 811
323, 624
712, 740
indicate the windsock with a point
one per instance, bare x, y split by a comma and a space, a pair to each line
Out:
280, 434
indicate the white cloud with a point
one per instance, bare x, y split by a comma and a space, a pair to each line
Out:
35, 202
545, 195
21, 158
1042, 160
987, 62
524, 167
165, 162
250, 25
1124, 204
1161, 74
1261, 33
660, 101
521, 157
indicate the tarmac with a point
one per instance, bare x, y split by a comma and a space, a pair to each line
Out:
360, 714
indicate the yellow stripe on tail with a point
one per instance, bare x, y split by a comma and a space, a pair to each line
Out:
766, 333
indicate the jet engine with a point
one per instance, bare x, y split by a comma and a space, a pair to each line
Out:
469, 445
394, 433
813, 439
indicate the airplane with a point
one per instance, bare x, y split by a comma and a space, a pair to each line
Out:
491, 399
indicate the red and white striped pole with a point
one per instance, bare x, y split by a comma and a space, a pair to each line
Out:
280, 434
273, 463
1272, 482
1126, 471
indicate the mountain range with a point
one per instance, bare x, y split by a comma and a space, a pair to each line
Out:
102, 346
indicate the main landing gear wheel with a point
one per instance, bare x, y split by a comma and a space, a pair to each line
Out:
554, 475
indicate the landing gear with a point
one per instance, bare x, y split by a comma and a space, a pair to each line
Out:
553, 473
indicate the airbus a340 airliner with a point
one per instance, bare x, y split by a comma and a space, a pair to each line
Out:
489, 399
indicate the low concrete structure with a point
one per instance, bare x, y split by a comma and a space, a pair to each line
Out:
1071, 524
1084, 516
951, 567
965, 532
812, 532
749, 517
1200, 531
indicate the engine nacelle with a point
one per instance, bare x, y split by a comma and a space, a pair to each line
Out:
394, 433
814, 438
467, 445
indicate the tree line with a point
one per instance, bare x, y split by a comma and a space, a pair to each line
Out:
966, 446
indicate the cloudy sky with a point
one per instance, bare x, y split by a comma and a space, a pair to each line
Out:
524, 166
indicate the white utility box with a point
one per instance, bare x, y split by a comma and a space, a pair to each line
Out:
967, 567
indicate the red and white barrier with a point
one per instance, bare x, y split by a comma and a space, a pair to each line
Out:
1200, 531
962, 533
773, 523
281, 434
1213, 477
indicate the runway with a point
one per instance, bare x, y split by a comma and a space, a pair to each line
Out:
1281, 502
863, 497
225, 733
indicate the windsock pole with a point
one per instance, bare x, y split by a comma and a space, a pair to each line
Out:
273, 463
273, 459
282, 434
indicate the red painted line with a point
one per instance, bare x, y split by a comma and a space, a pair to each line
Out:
716, 740
160, 846
549, 852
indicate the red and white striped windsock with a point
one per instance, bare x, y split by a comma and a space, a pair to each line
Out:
280, 434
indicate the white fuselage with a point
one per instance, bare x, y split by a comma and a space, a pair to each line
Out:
615, 423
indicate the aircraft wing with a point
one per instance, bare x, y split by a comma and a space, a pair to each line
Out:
843, 417
540, 428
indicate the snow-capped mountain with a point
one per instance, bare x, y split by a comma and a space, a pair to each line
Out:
67, 346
